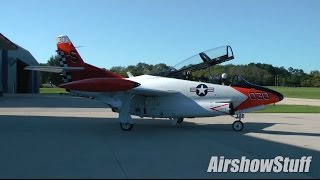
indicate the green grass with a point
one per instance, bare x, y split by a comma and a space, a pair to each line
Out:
290, 109
298, 92
52, 90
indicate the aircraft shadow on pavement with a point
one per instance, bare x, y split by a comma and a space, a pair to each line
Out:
49, 100
37, 146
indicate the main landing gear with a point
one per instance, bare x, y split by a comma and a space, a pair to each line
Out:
176, 120
126, 122
179, 120
126, 126
238, 125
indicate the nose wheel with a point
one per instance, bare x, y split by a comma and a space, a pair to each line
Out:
238, 124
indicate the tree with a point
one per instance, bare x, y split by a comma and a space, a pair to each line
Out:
315, 78
121, 70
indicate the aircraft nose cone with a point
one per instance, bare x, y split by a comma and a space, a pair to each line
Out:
279, 96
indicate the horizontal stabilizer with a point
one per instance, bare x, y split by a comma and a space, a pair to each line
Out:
53, 69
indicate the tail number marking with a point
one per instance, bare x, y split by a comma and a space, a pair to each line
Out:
62, 39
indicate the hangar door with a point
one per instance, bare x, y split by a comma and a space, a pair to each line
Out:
23, 78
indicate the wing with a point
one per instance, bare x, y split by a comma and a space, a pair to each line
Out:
53, 69
114, 100
151, 92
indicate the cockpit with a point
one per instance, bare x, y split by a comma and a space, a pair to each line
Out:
239, 81
203, 60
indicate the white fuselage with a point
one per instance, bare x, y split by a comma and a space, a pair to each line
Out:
175, 98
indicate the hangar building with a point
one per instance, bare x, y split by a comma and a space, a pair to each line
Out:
13, 77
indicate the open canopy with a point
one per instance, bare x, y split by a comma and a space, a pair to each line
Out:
202, 60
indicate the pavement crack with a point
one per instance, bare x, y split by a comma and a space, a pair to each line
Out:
118, 162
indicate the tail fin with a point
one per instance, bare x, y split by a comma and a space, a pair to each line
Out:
69, 57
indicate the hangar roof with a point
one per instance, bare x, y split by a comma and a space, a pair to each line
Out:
6, 44
16, 52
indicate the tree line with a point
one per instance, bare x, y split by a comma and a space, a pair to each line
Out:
257, 73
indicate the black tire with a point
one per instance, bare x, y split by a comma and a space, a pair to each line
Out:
126, 126
180, 120
237, 126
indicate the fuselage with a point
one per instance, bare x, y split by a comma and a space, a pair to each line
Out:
184, 98
173, 98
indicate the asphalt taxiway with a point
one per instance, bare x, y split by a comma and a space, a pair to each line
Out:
54, 136
300, 101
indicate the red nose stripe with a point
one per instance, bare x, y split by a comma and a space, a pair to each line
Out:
256, 97
101, 85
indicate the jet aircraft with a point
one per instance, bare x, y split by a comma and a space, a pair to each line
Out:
162, 96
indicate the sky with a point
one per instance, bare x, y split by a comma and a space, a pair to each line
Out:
125, 32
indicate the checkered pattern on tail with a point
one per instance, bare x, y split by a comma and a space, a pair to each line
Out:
63, 63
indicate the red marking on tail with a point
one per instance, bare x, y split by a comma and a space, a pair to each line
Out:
73, 59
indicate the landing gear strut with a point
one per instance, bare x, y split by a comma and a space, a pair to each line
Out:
126, 122
238, 125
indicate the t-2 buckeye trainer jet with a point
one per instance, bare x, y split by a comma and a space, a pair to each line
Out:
166, 96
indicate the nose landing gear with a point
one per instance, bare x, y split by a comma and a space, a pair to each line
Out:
238, 125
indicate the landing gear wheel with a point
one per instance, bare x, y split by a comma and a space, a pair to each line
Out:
180, 120
237, 126
126, 126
